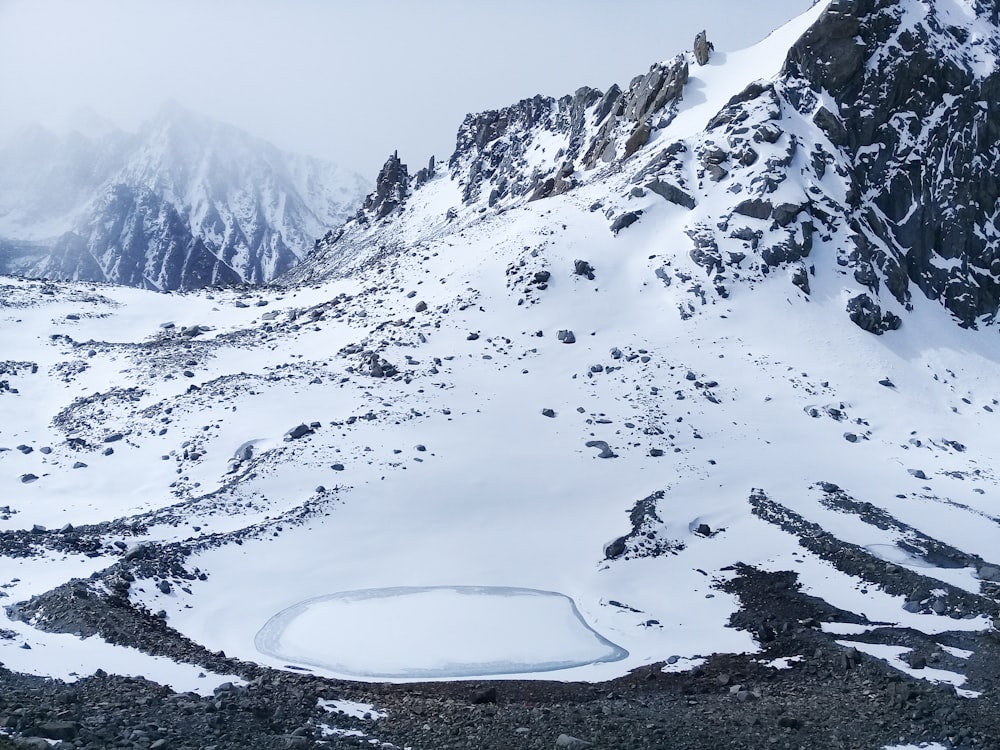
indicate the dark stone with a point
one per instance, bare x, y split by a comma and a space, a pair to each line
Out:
615, 549
785, 213
868, 316
583, 268
831, 126
566, 336
57, 730
489, 695
625, 221
800, 277
605, 449
671, 193
702, 48
755, 208
297, 432
637, 140
548, 412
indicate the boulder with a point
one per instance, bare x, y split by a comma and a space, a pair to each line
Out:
867, 315
625, 221
603, 447
671, 193
583, 268
297, 432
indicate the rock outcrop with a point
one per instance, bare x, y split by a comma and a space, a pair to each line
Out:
391, 188
876, 140
702, 48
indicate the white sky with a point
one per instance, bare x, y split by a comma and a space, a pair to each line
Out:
348, 81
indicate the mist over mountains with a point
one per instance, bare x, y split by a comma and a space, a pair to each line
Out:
183, 203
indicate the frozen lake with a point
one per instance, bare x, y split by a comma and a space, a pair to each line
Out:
436, 632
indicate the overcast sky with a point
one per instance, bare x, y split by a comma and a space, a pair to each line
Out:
348, 81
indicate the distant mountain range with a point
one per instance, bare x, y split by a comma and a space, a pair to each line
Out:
183, 203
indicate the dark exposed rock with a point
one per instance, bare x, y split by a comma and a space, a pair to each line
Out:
924, 105
755, 208
831, 126
702, 48
566, 336
624, 221
671, 193
800, 277
298, 432
603, 447
637, 140
867, 315
583, 268
391, 188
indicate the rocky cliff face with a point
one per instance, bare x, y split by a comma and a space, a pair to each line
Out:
897, 103
184, 203
875, 140
915, 107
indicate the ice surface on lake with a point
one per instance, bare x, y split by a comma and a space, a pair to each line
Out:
438, 631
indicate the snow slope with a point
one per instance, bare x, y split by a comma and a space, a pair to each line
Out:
424, 423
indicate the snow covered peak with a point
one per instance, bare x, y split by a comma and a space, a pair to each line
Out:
185, 202
857, 139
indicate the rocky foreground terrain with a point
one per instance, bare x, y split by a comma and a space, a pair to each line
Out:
829, 698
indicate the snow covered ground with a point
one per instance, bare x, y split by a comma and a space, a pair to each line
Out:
500, 458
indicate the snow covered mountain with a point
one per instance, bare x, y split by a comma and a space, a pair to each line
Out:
184, 203
878, 138
694, 379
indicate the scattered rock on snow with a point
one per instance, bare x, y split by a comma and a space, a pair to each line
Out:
605, 449
566, 336
297, 432
583, 268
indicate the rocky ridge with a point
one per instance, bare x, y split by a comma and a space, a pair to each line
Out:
878, 138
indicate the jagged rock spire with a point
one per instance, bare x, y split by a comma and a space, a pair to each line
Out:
391, 188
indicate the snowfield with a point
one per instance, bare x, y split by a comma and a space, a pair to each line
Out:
453, 464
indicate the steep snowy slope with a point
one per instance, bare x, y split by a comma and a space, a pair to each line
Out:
184, 203
540, 412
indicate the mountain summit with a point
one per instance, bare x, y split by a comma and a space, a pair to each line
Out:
876, 140
184, 203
